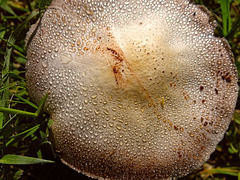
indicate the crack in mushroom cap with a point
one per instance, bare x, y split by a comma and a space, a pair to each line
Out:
138, 89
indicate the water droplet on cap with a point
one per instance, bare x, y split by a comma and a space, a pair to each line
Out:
66, 58
45, 64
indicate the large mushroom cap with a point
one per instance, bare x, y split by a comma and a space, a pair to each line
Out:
139, 89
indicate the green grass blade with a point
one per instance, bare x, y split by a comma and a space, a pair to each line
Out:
227, 171
26, 101
225, 7
19, 7
12, 39
31, 131
7, 123
18, 175
16, 111
236, 117
22, 160
7, 87
20, 58
19, 49
2, 2
28, 132
7, 8
2, 33
19, 29
41, 105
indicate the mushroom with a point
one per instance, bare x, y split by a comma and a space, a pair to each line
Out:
138, 89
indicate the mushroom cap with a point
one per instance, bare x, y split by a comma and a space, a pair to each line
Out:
138, 89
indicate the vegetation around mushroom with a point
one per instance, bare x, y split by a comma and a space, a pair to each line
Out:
22, 135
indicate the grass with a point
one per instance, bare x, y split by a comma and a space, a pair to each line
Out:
25, 149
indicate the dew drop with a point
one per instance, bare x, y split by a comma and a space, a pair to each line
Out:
111, 124
144, 139
96, 112
119, 126
45, 64
93, 96
66, 58
52, 56
106, 112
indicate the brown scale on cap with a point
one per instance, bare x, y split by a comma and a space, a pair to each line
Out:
138, 89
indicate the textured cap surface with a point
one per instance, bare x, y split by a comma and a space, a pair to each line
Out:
139, 89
